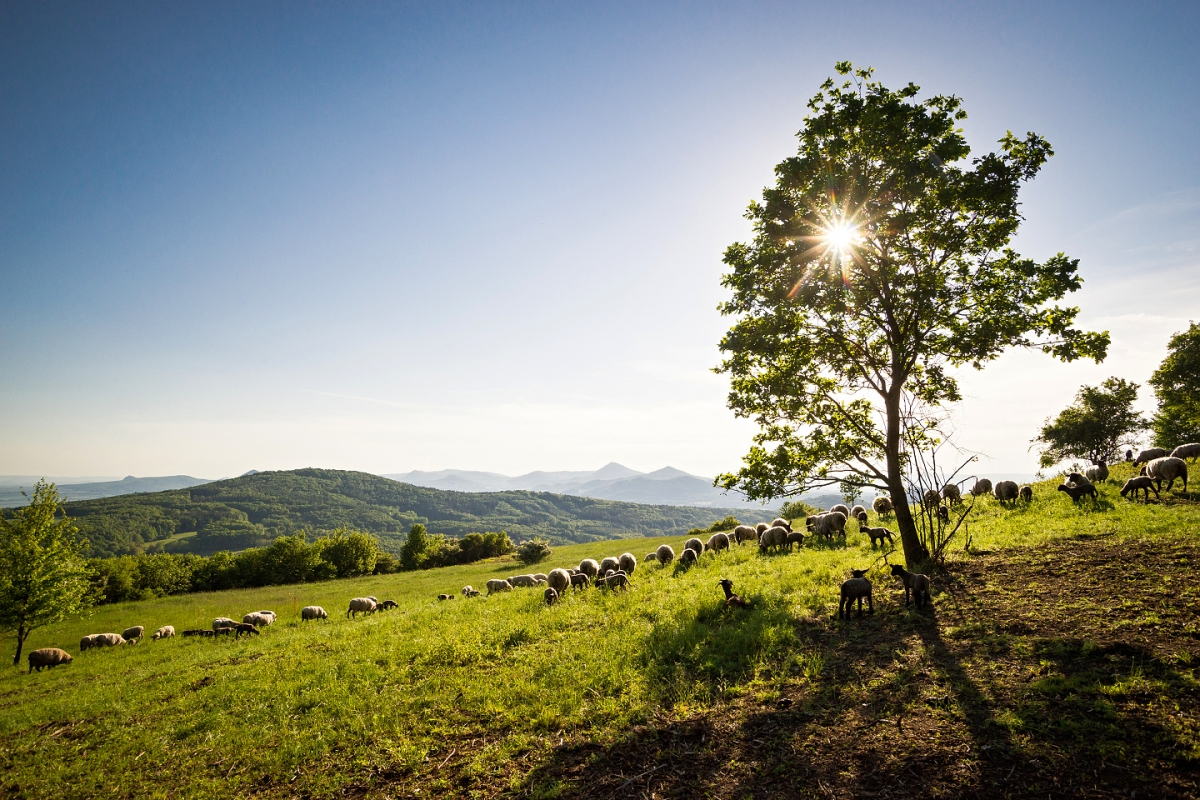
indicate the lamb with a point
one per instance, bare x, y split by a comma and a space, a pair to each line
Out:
744, 533
688, 557
257, 619
498, 585
617, 580
1146, 456
313, 612
48, 657
732, 600
719, 541
775, 537
650, 558
1075, 492
877, 535
1129, 455
551, 595
1188, 452
882, 505
559, 580
1140, 483
612, 562
135, 632
915, 584
195, 632
100, 640
839, 508
165, 632
365, 605
1026, 493
1097, 473
855, 588
780, 522
1167, 469
794, 538
222, 622
579, 580
388, 605
952, 494
694, 544
931, 498
665, 554
244, 627
472, 593
1006, 491
628, 563
445, 597
982, 486
589, 567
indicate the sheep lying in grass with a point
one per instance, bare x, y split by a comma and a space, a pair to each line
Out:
1140, 483
717, 542
1146, 456
195, 632
559, 580
1026, 493
100, 640
49, 657
362, 605
688, 558
445, 597
916, 585
1188, 452
135, 632
165, 632
773, 539
498, 585
952, 494
1006, 491
313, 612
1167, 469
982, 486
855, 588
550, 595
590, 567
878, 535
665, 554
882, 505
1097, 473
744, 533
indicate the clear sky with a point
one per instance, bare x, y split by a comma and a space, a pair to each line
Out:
392, 237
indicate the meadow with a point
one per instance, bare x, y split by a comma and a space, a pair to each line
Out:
604, 693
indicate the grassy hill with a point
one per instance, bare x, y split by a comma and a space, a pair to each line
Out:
254, 509
1059, 659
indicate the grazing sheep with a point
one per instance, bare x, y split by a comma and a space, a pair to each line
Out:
882, 505
952, 494
617, 580
165, 632
827, 524
1167, 469
313, 612
135, 632
915, 584
877, 535
839, 508
589, 567
445, 597
1006, 491
540, 577
775, 537
523, 581
744, 533
551, 595
780, 522
855, 588
628, 563
858, 512
579, 580
1187, 452
720, 541
1129, 455
257, 619
365, 605
269, 614
1026, 493
1097, 473
688, 557
982, 486
612, 562
559, 580
223, 622
1146, 456
665, 554
794, 538
498, 585
472, 593
694, 544
731, 599
650, 558
1075, 492
943, 513
759, 528
244, 627
388, 605
931, 498
48, 657
196, 632
1140, 483
466, 590
101, 640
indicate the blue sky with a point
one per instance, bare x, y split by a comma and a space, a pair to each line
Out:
392, 237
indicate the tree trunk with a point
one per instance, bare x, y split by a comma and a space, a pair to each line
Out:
914, 554
21, 634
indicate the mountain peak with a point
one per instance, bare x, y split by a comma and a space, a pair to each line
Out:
613, 470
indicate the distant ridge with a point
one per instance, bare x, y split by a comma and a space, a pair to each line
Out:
12, 497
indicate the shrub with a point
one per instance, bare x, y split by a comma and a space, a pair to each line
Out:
533, 551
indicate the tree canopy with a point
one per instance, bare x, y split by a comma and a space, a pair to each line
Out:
880, 260
1099, 424
1176, 382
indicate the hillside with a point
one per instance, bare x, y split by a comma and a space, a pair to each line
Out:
253, 509
11, 496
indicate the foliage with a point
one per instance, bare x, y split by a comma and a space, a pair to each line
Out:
351, 553
795, 509
43, 576
850, 491
533, 551
1097, 427
254, 510
725, 524
880, 260
1176, 382
416, 547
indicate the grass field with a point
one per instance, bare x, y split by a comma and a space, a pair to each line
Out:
1059, 658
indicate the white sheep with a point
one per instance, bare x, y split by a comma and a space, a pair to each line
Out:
590, 567
135, 632
982, 486
165, 632
258, 619
498, 585
101, 640
840, 507
774, 537
313, 612
628, 562
1167, 469
1097, 473
1006, 491
541, 577
523, 581
829, 524
665, 554
1146, 456
759, 528
48, 657
744, 533
612, 562
1188, 452
720, 541
223, 622
780, 522
882, 505
694, 544
365, 605
559, 580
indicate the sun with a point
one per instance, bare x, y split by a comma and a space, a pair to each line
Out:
840, 237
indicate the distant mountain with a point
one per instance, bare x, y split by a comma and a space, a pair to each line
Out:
27, 481
667, 486
10, 498
253, 510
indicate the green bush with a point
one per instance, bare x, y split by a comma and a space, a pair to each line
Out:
533, 551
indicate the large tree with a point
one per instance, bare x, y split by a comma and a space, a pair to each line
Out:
1097, 426
44, 577
1177, 384
880, 258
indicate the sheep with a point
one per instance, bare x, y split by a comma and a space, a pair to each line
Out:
589, 567
366, 605
855, 588
1188, 452
48, 657
840, 507
388, 605
943, 513
1026, 493
858, 512
931, 498
1140, 483
612, 562
775, 537
877, 534
466, 590
472, 593
445, 597
732, 600
628, 562
523, 581
744, 533
952, 494
1129, 455
827, 524
694, 544
794, 538
271, 615
720, 541
982, 486
313, 612
551, 595
1097, 473
579, 580
617, 580
1075, 492
195, 632
1006, 491
759, 528
1167, 469
1146, 456
688, 557
100, 640
165, 632
498, 585
882, 505
915, 584
244, 627
559, 580
135, 632
665, 554
222, 622
650, 558
780, 522
257, 619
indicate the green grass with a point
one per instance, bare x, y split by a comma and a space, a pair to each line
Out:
494, 685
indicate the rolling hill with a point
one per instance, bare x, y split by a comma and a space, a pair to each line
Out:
91, 490
252, 510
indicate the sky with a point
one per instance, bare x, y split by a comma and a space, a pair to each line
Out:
389, 237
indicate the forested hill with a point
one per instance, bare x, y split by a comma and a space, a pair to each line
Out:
254, 509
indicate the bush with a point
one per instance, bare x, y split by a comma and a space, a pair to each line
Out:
533, 551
